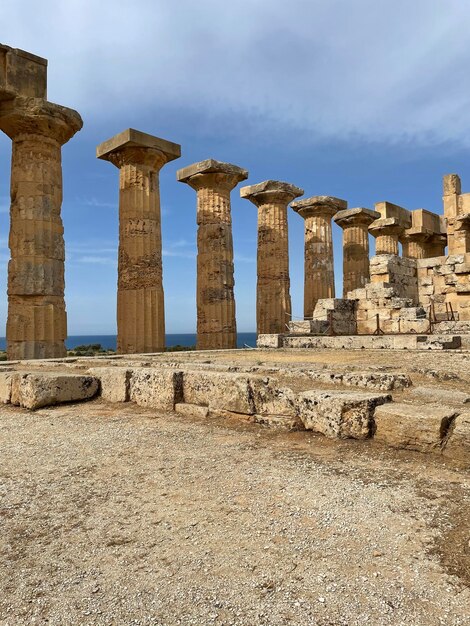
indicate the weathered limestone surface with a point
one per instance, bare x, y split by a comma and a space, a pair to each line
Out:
457, 215
213, 182
422, 428
36, 390
271, 399
191, 410
157, 388
114, 382
373, 342
458, 442
444, 284
273, 302
225, 391
426, 237
37, 323
339, 414
5, 387
338, 313
140, 299
317, 212
355, 224
387, 232
440, 396
22, 74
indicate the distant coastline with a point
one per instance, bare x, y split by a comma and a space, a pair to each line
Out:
108, 342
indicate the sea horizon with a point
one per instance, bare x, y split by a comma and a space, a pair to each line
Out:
108, 342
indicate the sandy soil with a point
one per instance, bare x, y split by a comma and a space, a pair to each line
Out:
112, 515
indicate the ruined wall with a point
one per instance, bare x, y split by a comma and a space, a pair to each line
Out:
445, 279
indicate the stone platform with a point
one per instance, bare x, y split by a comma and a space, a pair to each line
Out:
357, 394
367, 342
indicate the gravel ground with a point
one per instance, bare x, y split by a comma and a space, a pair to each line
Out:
112, 515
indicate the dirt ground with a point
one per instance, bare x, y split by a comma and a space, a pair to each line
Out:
113, 515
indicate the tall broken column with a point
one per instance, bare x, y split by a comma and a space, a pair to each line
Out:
273, 302
37, 322
319, 281
457, 215
140, 299
355, 223
213, 182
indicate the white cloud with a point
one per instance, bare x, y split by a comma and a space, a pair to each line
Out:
390, 71
97, 260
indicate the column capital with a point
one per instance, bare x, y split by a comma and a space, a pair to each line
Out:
319, 205
355, 217
133, 147
271, 191
35, 116
389, 226
211, 173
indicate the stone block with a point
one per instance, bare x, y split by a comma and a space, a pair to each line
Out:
5, 387
414, 326
269, 341
339, 414
218, 390
36, 390
271, 399
280, 422
156, 388
412, 313
22, 74
383, 381
438, 342
440, 396
191, 410
421, 428
457, 446
114, 382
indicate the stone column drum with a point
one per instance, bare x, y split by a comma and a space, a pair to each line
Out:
140, 299
355, 223
317, 212
387, 232
37, 323
273, 302
213, 182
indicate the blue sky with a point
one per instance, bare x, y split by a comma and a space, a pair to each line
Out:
366, 100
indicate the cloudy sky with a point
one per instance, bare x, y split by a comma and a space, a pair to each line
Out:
367, 100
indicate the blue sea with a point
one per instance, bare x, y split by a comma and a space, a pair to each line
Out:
108, 342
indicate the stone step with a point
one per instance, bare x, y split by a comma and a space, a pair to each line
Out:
339, 414
36, 390
423, 428
438, 395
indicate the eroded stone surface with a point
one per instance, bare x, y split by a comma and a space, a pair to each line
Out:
33, 391
339, 415
156, 388
114, 382
422, 428
458, 443
217, 390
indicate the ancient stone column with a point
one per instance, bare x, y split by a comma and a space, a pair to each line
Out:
387, 232
319, 270
140, 299
37, 325
273, 303
213, 182
415, 245
355, 223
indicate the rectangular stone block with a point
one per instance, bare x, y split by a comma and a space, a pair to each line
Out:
5, 387
22, 74
156, 388
191, 410
421, 428
339, 415
114, 382
439, 395
218, 390
269, 341
37, 390
271, 399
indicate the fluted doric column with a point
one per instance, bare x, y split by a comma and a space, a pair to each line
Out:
140, 299
387, 232
273, 303
213, 182
355, 223
37, 323
317, 212
415, 245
